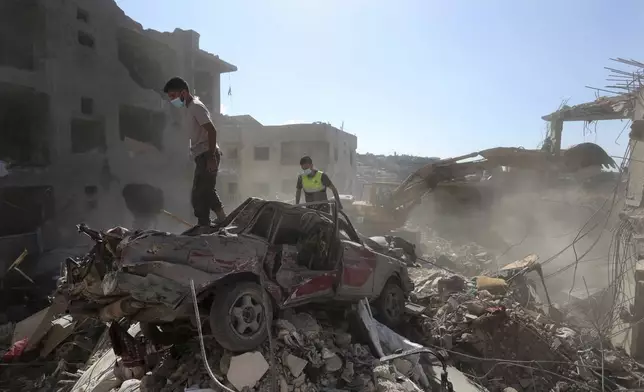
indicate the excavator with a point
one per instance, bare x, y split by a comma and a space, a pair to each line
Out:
473, 181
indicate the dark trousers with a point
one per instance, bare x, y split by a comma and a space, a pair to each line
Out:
204, 195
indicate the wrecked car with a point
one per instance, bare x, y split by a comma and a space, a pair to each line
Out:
264, 252
393, 246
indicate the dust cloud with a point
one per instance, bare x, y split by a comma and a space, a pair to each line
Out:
569, 227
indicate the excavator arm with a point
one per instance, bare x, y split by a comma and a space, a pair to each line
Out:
397, 206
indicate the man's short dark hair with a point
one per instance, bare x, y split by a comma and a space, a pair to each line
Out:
175, 84
306, 160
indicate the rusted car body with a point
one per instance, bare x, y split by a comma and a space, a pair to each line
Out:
295, 254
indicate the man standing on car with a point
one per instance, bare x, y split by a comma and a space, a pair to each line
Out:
204, 149
314, 184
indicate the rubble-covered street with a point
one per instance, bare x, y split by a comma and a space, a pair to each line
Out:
484, 330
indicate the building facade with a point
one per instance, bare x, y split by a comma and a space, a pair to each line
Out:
82, 109
264, 161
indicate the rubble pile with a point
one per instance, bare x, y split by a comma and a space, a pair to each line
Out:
501, 344
481, 327
468, 259
309, 354
35, 356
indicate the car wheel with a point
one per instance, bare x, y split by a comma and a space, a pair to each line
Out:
238, 317
391, 304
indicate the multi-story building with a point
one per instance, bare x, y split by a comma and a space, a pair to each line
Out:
82, 110
265, 160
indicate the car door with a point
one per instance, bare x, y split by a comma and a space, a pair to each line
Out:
302, 284
358, 265
311, 286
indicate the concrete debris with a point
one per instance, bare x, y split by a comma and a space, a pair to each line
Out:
133, 385
305, 324
462, 332
246, 370
403, 366
342, 339
296, 364
484, 320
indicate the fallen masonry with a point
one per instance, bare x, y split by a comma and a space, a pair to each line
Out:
488, 331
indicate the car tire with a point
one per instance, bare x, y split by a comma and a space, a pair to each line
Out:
390, 304
238, 316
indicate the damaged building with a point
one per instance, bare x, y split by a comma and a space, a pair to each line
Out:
83, 113
626, 273
267, 158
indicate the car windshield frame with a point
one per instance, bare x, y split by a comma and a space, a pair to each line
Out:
351, 230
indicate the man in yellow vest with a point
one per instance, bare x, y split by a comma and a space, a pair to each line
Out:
314, 184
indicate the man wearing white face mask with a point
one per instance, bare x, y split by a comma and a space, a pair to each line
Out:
204, 149
314, 184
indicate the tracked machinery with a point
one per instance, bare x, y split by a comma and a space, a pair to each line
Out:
471, 184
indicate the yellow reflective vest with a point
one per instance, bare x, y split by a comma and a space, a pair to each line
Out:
313, 184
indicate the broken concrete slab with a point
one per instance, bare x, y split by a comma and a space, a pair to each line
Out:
246, 370
34, 327
295, 364
60, 330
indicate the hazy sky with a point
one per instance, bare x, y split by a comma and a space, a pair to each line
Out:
422, 77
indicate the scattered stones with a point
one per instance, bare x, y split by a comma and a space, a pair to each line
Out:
383, 371
246, 369
283, 384
333, 363
299, 381
342, 339
348, 373
477, 308
403, 366
306, 324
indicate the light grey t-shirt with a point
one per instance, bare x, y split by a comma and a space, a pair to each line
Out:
197, 115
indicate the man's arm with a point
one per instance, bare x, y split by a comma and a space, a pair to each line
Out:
326, 181
298, 192
212, 136
202, 116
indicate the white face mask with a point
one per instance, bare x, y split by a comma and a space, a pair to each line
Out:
177, 102
307, 172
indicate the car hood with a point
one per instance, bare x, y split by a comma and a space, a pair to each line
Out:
219, 252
